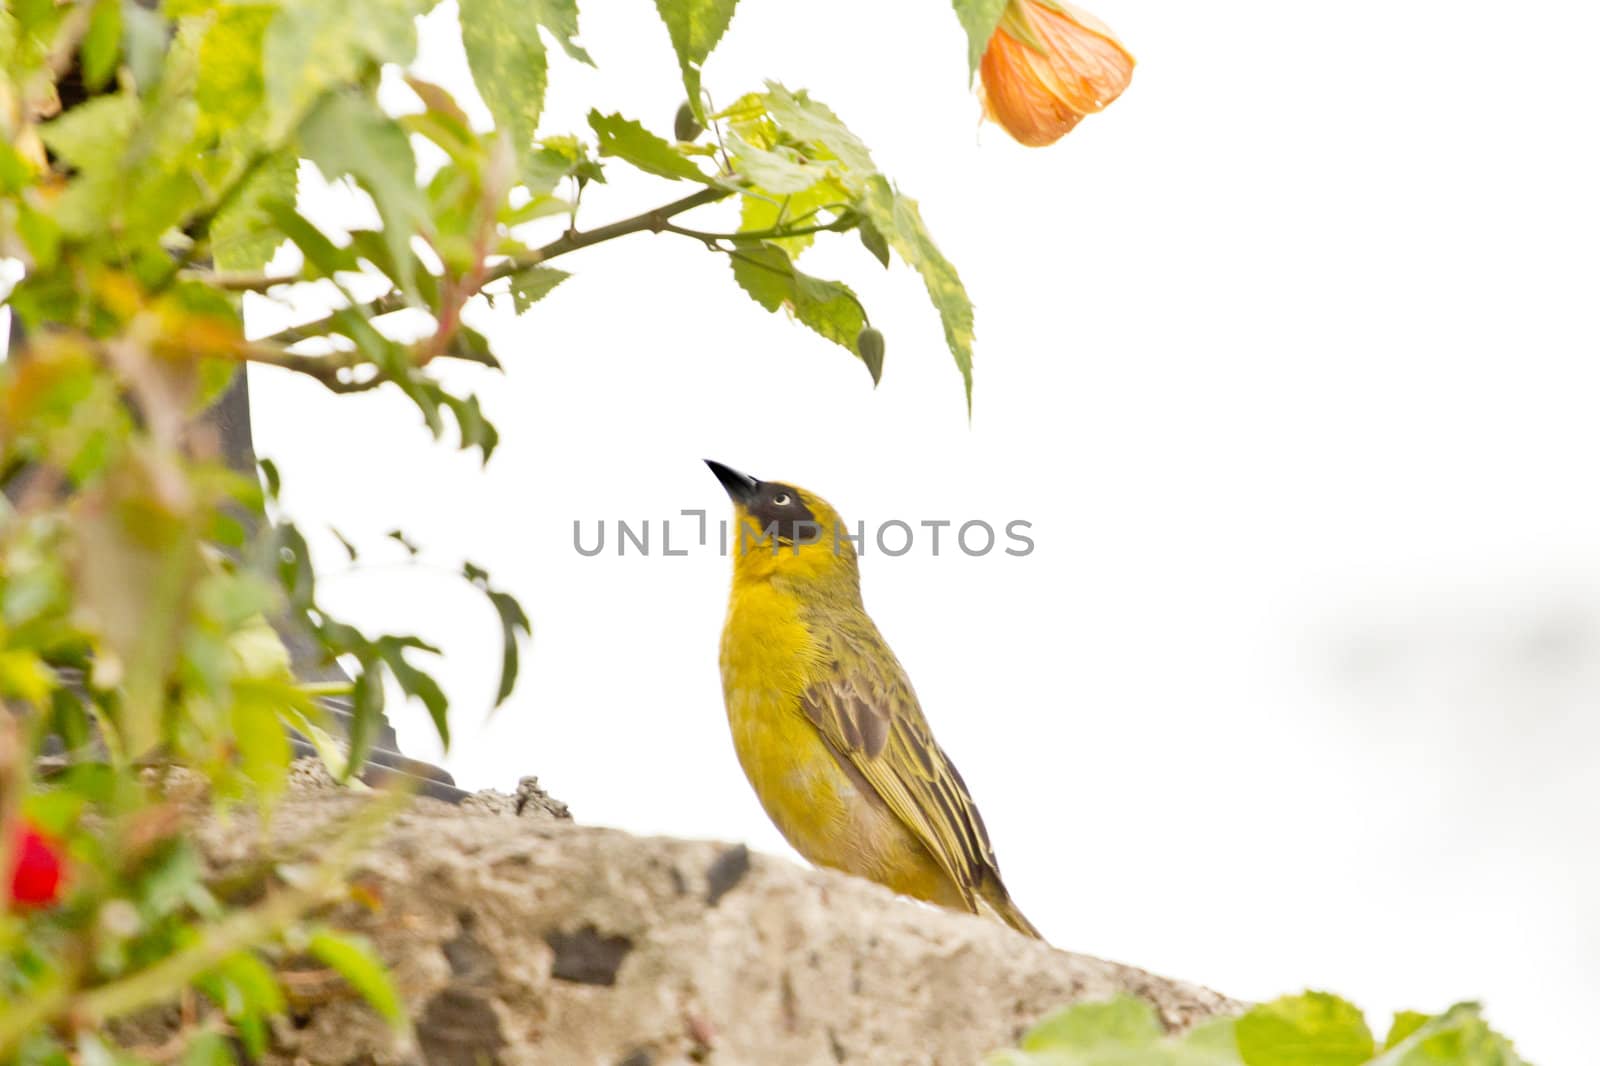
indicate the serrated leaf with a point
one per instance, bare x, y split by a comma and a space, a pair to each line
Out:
508, 64
1123, 1021
779, 170
245, 235
530, 285
695, 27
560, 20
348, 135
897, 218
766, 272
805, 119
979, 19
1312, 1029
356, 961
629, 141
313, 45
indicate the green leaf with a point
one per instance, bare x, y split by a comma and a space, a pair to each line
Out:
695, 27
244, 235
260, 740
512, 622
93, 137
1405, 1023
978, 18
1211, 1043
766, 272
631, 142
1123, 1021
248, 993
313, 45
761, 211
348, 134
101, 43
374, 246
417, 684
900, 222
1313, 1029
366, 710
557, 158
322, 255
231, 86
356, 961
476, 431
1458, 1037
269, 473
808, 120
873, 242
560, 20
780, 170
508, 64
533, 284
144, 43
208, 1048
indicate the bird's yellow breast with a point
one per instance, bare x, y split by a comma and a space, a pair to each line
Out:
832, 817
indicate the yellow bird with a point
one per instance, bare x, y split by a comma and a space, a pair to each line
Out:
824, 719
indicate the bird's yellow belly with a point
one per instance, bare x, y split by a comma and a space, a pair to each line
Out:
828, 814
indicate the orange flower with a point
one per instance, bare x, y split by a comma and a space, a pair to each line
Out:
1047, 65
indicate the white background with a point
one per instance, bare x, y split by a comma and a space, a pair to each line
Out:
1290, 359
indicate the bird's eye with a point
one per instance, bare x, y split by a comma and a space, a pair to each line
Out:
782, 499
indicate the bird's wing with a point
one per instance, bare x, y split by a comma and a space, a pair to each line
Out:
865, 707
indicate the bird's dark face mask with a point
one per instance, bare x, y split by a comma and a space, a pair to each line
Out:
775, 518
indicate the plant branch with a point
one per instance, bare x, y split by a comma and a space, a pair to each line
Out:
653, 221
775, 232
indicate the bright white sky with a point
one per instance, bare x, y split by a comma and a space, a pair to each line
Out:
1290, 359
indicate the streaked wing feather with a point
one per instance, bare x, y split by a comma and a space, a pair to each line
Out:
867, 709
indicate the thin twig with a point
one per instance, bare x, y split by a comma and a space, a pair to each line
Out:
653, 221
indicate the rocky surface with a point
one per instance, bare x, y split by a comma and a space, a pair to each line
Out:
528, 939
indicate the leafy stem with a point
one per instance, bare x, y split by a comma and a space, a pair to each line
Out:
652, 221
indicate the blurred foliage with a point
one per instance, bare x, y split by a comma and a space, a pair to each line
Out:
1311, 1029
151, 158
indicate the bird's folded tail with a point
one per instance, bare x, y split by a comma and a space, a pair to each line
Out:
999, 902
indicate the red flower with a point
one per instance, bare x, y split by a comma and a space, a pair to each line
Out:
36, 868
1048, 65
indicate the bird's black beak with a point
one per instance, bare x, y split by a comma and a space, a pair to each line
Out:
741, 488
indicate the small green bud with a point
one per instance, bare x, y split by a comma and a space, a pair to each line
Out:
869, 345
686, 127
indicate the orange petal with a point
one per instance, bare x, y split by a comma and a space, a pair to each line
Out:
1018, 98
1090, 66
